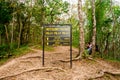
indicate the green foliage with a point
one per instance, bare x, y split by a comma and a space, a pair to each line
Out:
23, 21
75, 30
85, 54
21, 51
54, 8
5, 12
116, 11
1, 28
107, 25
4, 50
102, 11
15, 53
30, 17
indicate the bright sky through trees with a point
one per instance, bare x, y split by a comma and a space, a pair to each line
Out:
75, 1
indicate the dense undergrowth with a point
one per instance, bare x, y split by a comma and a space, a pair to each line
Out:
6, 54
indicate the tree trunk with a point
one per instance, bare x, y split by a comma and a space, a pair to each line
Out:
0, 39
7, 40
20, 31
12, 32
6, 31
114, 30
81, 29
107, 44
94, 27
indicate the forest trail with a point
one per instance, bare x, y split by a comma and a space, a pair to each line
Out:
29, 67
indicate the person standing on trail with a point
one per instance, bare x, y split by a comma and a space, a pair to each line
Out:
89, 48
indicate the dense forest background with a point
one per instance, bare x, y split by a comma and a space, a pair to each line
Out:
21, 24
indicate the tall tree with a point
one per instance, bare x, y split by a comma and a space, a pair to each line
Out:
5, 17
6, 11
94, 27
81, 29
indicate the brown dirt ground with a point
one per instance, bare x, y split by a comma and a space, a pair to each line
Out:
29, 67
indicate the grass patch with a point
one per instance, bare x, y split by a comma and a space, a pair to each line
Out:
21, 51
2, 61
112, 60
16, 53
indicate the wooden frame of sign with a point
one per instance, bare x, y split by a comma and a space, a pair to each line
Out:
57, 35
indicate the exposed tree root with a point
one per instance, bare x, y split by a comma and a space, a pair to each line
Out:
68, 60
45, 69
38, 57
32, 57
102, 74
113, 73
90, 58
76, 59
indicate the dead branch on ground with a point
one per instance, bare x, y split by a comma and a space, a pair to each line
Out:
45, 69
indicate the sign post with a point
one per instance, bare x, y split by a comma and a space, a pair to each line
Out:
57, 35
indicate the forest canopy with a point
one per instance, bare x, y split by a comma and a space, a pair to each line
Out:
21, 24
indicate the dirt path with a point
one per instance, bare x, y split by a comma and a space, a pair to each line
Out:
29, 67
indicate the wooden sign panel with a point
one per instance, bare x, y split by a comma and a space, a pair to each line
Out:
57, 35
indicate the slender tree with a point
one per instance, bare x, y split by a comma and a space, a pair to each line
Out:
81, 29
12, 30
94, 27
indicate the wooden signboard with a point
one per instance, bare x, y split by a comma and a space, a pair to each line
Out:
57, 35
